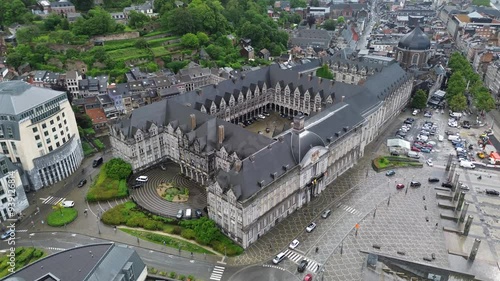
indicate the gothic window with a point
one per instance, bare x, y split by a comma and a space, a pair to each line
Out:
240, 98
231, 101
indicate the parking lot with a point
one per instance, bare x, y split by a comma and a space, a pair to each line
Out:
269, 124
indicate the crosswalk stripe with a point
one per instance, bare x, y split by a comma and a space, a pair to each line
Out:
22, 230
312, 266
217, 273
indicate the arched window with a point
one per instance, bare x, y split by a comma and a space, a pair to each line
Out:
400, 56
414, 59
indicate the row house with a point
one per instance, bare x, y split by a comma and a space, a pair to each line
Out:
492, 78
93, 86
352, 72
254, 181
72, 81
47, 79
483, 58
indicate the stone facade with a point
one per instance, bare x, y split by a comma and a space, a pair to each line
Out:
254, 181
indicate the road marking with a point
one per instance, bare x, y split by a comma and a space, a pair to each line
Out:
217, 273
54, 249
73, 235
53, 233
351, 210
32, 234
22, 230
52, 200
273, 266
296, 258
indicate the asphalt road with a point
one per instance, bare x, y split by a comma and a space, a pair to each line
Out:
57, 241
264, 273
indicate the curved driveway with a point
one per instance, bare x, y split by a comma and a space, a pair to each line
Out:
148, 198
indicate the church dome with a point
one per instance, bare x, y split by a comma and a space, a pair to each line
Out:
415, 40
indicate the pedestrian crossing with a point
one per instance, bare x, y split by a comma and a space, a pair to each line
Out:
52, 200
273, 266
296, 258
217, 273
55, 249
350, 210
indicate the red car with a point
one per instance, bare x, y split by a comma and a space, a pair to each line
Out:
400, 186
419, 143
414, 148
308, 277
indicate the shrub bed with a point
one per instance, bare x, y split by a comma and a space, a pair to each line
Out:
98, 143
62, 217
24, 256
204, 231
87, 149
388, 162
111, 182
169, 241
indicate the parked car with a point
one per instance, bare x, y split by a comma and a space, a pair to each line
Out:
82, 183
198, 213
326, 213
7, 234
68, 204
311, 227
425, 150
137, 185
180, 214
390, 173
414, 148
266, 114
302, 265
415, 184
463, 186
279, 257
433, 180
447, 184
294, 244
394, 153
308, 277
142, 179
400, 186
492, 192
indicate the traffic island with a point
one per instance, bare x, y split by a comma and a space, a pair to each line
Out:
62, 217
390, 162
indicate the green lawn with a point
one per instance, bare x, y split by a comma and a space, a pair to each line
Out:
160, 51
62, 217
24, 256
87, 149
125, 54
98, 143
169, 241
105, 188
384, 163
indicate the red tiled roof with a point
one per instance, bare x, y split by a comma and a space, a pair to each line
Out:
97, 115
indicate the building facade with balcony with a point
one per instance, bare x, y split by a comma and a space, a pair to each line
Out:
254, 181
13, 199
38, 131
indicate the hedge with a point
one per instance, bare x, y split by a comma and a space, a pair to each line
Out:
24, 256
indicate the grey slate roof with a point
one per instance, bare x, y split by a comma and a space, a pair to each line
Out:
18, 96
86, 263
261, 156
10, 165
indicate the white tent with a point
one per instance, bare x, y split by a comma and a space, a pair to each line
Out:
398, 143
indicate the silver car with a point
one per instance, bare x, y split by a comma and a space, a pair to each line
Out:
311, 227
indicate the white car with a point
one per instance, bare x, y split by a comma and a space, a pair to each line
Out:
415, 112
464, 186
261, 116
429, 162
294, 244
142, 179
311, 227
68, 204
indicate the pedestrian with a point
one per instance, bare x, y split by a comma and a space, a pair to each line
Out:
114, 228
437, 224
317, 249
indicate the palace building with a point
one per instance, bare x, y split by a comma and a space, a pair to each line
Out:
254, 181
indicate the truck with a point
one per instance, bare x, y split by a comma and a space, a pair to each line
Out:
494, 158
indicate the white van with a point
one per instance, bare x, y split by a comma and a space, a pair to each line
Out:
467, 164
278, 258
413, 154
456, 115
440, 138
187, 215
453, 137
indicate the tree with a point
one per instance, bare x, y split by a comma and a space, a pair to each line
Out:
141, 44
484, 101
11, 12
96, 22
298, 3
419, 100
25, 35
324, 72
340, 20
58, 207
52, 22
83, 5
314, 3
311, 20
190, 40
329, 24
118, 169
137, 20
202, 38
458, 103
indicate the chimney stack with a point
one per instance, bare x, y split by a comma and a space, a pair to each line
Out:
342, 100
310, 77
220, 134
192, 117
